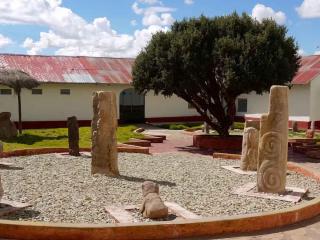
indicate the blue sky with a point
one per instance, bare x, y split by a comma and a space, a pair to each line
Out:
122, 28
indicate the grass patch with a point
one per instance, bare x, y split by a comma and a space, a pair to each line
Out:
58, 137
301, 134
181, 126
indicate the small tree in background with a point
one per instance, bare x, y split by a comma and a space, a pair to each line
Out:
17, 80
209, 62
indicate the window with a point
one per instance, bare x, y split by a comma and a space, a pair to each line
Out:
242, 105
5, 91
36, 91
65, 91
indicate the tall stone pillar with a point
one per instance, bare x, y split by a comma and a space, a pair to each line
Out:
73, 136
249, 155
1, 190
104, 139
273, 144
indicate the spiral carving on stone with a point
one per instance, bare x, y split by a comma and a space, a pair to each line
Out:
270, 145
270, 176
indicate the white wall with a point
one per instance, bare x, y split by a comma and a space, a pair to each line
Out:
299, 101
159, 106
51, 106
315, 99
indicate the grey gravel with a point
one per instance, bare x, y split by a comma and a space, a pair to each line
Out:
61, 189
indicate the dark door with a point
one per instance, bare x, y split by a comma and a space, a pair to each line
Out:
131, 106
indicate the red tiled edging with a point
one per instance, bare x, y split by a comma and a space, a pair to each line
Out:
166, 230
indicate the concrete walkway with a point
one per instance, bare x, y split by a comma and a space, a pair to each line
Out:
178, 140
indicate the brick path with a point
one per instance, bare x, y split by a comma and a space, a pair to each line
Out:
307, 230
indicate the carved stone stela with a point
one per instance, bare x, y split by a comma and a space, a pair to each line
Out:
1, 190
104, 139
273, 145
73, 136
250, 143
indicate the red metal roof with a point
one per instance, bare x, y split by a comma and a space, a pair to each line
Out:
309, 70
66, 69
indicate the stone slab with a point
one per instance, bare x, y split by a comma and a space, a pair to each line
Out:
8, 207
121, 215
180, 211
6, 164
292, 194
236, 169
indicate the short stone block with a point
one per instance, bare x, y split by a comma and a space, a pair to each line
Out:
8, 207
237, 169
292, 194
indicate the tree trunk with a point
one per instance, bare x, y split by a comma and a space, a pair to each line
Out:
19, 111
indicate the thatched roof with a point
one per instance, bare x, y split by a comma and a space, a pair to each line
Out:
17, 79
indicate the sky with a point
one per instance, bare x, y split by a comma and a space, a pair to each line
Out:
121, 28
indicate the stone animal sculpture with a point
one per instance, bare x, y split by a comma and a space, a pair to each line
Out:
152, 206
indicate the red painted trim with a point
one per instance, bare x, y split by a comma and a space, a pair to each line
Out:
87, 123
184, 119
51, 124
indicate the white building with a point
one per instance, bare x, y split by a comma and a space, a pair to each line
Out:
67, 84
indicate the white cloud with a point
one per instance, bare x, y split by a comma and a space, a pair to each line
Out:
4, 41
150, 2
261, 12
133, 22
188, 2
70, 34
154, 15
301, 52
309, 9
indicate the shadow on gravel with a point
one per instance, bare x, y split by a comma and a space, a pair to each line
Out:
137, 179
23, 214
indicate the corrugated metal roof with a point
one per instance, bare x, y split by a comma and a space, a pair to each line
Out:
66, 69
309, 70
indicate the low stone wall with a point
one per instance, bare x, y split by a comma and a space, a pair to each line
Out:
206, 141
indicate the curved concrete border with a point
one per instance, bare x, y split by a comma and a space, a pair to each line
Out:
167, 230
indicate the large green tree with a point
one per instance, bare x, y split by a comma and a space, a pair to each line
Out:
209, 62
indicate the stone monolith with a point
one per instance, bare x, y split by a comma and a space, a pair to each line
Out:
7, 127
104, 140
73, 136
1, 189
250, 145
252, 123
273, 143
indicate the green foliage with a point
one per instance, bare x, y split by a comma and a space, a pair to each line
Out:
238, 125
58, 137
209, 62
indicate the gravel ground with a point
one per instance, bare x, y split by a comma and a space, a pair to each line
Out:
61, 189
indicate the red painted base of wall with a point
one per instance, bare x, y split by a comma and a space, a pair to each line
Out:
231, 143
87, 123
